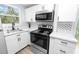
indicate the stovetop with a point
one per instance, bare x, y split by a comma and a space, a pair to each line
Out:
44, 29
45, 32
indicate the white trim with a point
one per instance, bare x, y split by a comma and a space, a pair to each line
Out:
76, 21
8, 15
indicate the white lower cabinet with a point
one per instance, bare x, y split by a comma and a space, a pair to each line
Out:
59, 49
12, 44
51, 45
60, 46
25, 40
17, 41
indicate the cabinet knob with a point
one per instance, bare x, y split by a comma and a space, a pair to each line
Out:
19, 39
62, 51
31, 19
58, 18
63, 42
18, 35
1, 30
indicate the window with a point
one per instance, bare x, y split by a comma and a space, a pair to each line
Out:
9, 14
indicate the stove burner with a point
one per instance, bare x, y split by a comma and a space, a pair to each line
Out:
44, 30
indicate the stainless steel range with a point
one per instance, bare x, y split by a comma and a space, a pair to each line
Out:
40, 39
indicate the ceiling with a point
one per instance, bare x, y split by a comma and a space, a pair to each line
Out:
28, 5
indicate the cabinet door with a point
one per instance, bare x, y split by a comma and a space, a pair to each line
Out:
63, 47
30, 13
28, 38
51, 46
48, 7
67, 12
24, 40
12, 44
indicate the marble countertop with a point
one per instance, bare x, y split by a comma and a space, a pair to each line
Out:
17, 31
64, 36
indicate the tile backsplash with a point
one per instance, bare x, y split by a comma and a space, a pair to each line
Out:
65, 27
33, 25
9, 26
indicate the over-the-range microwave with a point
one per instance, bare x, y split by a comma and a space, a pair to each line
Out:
46, 16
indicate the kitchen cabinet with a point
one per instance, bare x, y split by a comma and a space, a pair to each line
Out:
48, 7
20, 42
63, 47
25, 39
3, 48
51, 45
30, 13
17, 41
12, 44
60, 46
67, 12
28, 38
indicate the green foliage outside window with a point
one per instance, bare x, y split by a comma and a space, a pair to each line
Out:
9, 19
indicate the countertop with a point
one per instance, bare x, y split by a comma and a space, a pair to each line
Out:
64, 36
18, 31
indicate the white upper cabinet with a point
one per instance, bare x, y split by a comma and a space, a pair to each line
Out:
48, 7
67, 12
30, 13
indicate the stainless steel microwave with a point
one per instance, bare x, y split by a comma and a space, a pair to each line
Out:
48, 16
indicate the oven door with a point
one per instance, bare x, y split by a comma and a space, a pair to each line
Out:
40, 40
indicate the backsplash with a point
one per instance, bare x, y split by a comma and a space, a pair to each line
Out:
24, 25
50, 23
65, 27
35, 24
9, 26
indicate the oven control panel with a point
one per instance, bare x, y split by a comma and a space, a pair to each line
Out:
45, 26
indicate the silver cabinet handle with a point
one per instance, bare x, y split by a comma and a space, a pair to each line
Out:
19, 39
1, 30
63, 42
62, 51
58, 18
18, 35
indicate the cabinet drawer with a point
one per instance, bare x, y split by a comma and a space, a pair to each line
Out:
58, 49
18, 35
65, 43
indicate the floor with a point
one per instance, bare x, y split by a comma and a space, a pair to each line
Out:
77, 49
27, 50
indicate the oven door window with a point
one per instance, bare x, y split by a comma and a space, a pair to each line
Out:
39, 40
